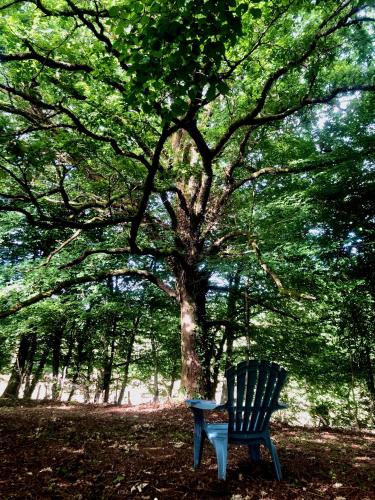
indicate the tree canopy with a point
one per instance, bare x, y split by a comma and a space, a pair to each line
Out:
184, 144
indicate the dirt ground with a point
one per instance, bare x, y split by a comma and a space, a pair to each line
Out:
58, 451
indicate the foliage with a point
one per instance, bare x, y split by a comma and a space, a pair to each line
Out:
184, 144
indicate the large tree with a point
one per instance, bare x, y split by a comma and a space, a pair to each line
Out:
141, 132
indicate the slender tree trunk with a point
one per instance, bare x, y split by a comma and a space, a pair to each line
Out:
128, 357
229, 331
77, 368
86, 389
14, 384
37, 374
56, 356
353, 404
218, 357
87, 381
247, 310
370, 379
98, 388
156, 369
66, 364
173, 378
81, 354
107, 371
29, 362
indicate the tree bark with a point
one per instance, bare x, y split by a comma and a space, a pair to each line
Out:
128, 356
370, 379
29, 361
107, 371
229, 331
98, 387
80, 356
173, 378
16, 377
192, 287
37, 374
56, 356
156, 369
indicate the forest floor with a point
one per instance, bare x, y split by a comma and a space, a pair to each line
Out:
75, 451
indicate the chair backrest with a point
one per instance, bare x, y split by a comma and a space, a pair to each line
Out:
253, 392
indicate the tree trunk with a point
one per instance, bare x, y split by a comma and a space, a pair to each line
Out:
14, 384
37, 374
98, 388
370, 380
192, 287
128, 357
80, 356
173, 378
107, 371
78, 363
218, 357
87, 380
229, 331
247, 317
66, 364
156, 369
56, 355
29, 361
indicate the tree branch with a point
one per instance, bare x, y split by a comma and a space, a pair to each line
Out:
69, 283
251, 117
77, 122
59, 223
58, 13
99, 34
62, 246
46, 61
215, 247
119, 251
266, 268
149, 184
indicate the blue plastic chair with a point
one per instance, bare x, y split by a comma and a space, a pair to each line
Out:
253, 392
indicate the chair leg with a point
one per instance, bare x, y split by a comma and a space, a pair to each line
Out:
254, 452
275, 458
218, 436
220, 443
199, 438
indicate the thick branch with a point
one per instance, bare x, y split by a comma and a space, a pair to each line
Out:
46, 61
169, 209
149, 184
207, 174
58, 13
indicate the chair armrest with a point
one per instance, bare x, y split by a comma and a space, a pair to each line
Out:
202, 404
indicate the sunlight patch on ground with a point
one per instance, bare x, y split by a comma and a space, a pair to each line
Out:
80, 451
364, 459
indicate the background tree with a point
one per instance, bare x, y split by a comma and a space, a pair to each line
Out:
139, 131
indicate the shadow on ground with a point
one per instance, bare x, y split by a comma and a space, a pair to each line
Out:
103, 452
